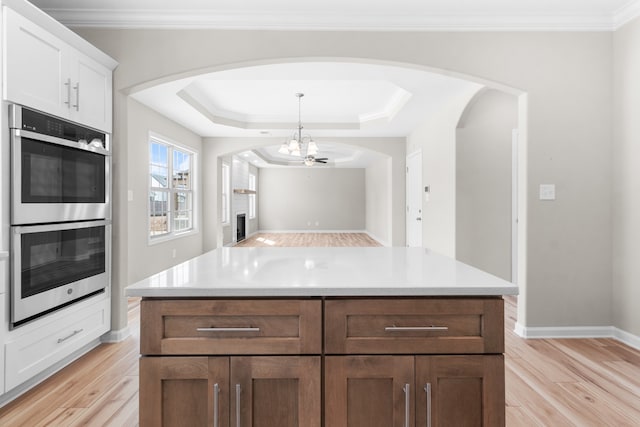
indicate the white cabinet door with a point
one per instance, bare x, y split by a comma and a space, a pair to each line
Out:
47, 74
91, 93
35, 66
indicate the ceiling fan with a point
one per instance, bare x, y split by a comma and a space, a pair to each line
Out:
310, 159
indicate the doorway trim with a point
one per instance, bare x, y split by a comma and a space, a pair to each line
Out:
413, 194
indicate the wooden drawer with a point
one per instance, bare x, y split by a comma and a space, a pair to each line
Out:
216, 327
414, 326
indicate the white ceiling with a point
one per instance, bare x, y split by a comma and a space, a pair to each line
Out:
341, 100
347, 14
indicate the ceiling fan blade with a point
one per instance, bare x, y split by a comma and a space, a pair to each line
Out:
321, 158
320, 161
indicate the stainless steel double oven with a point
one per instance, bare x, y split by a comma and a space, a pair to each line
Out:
60, 213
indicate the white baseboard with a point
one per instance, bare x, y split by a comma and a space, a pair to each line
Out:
627, 338
578, 332
311, 231
116, 336
377, 239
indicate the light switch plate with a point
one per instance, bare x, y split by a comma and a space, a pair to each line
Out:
547, 191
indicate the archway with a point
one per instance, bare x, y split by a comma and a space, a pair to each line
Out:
211, 156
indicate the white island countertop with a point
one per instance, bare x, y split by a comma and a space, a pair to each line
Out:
295, 272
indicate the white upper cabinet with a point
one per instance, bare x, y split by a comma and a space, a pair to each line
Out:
91, 93
45, 73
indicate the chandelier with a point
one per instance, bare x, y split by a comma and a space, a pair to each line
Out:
299, 143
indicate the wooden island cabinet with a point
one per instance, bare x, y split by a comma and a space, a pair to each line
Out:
330, 361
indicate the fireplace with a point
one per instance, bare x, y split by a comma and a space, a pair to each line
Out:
241, 232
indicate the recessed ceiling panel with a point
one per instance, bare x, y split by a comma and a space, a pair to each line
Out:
324, 101
341, 99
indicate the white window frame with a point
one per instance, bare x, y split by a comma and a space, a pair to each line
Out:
225, 192
171, 191
252, 196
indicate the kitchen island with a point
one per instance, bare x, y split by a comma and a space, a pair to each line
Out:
322, 337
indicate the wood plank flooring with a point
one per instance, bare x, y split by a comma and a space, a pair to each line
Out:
308, 239
560, 382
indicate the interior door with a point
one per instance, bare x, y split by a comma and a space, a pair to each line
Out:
414, 200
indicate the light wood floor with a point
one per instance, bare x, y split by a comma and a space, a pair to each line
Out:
561, 382
308, 239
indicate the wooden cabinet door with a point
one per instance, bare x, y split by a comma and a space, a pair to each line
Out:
184, 391
460, 391
278, 391
36, 69
369, 391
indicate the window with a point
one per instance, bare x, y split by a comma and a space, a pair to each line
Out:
226, 197
252, 197
171, 188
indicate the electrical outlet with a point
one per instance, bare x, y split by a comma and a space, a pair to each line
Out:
547, 191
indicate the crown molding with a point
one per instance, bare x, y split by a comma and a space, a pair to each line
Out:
626, 13
210, 19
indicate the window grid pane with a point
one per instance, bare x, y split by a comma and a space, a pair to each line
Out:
170, 200
159, 213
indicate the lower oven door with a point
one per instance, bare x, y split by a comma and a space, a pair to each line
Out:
56, 264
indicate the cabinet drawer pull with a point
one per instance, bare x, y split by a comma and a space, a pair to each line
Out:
216, 394
407, 405
238, 391
427, 389
249, 329
74, 333
416, 328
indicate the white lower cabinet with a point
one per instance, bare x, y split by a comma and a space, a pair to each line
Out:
37, 346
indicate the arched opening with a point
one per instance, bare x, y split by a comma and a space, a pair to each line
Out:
215, 147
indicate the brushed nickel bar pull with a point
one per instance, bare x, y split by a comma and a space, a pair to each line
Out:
74, 333
427, 389
238, 391
416, 328
249, 329
77, 88
407, 404
68, 85
216, 394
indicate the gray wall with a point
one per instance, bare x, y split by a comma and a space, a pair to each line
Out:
483, 182
147, 259
435, 138
311, 199
626, 178
378, 200
566, 79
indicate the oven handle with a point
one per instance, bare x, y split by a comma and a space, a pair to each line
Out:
21, 229
59, 141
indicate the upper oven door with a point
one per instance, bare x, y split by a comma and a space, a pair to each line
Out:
56, 180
